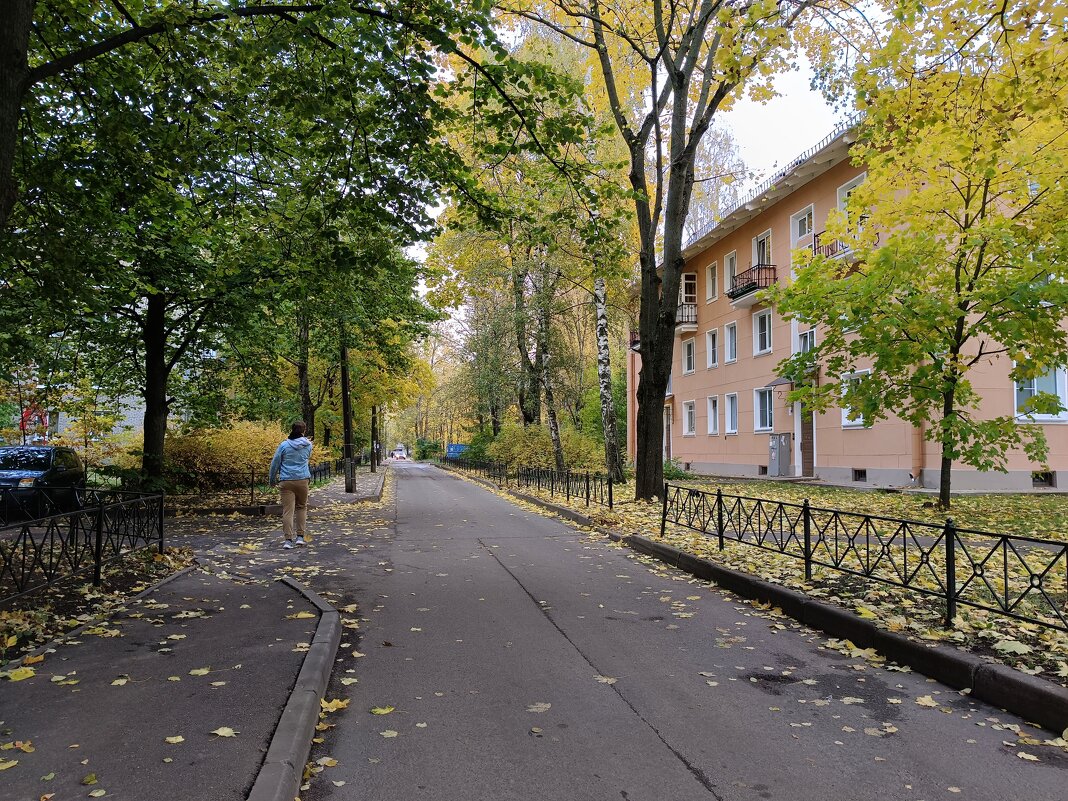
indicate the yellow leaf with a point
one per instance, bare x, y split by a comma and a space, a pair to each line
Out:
224, 731
326, 762
10, 641
89, 779
120, 681
200, 671
388, 733
300, 616
926, 700
1027, 756
33, 660
382, 710
18, 674
8, 764
174, 740
335, 705
98, 793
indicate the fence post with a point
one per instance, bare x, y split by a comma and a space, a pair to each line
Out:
567, 480
663, 513
162, 499
587, 487
806, 522
609, 490
252, 486
98, 543
950, 534
719, 515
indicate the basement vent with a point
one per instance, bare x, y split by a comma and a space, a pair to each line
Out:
762, 470
1043, 478
860, 475
686, 466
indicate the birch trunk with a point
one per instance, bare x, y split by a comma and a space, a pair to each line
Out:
550, 412
612, 463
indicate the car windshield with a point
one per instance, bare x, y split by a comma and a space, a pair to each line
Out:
25, 458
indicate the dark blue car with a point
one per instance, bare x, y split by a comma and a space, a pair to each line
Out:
36, 481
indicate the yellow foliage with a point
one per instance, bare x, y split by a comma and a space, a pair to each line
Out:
241, 447
531, 446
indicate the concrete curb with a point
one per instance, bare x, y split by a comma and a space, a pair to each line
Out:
1030, 697
280, 775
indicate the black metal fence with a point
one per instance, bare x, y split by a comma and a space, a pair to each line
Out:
109, 525
1022, 577
251, 487
572, 485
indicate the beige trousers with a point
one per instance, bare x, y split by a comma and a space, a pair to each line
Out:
294, 506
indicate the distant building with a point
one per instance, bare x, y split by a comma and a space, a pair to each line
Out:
725, 411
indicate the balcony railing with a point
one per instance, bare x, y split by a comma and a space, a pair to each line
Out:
686, 315
759, 277
828, 248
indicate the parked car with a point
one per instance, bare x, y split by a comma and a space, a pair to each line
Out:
399, 454
39, 480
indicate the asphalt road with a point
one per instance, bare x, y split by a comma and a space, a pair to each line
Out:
524, 659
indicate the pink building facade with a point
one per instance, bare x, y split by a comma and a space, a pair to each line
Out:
726, 411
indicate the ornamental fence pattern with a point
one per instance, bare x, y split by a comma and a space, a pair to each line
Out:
109, 525
595, 488
1021, 577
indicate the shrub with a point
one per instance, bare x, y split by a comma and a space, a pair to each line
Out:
672, 471
212, 457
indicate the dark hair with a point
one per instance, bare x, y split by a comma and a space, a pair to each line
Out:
298, 429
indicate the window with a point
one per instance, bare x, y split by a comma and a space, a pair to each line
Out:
762, 414
689, 360
712, 347
730, 269
845, 190
762, 332
688, 289
730, 330
762, 249
852, 418
713, 415
689, 418
1054, 382
801, 224
711, 282
732, 414
806, 340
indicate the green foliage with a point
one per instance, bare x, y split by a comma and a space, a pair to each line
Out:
672, 471
479, 445
427, 448
531, 446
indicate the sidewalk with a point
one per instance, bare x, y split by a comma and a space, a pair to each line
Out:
211, 656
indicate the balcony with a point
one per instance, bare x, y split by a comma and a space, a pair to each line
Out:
745, 285
828, 248
686, 318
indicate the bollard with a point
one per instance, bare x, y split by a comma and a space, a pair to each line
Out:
609, 490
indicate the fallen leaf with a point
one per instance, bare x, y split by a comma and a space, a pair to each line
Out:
19, 674
8, 764
326, 762
225, 731
349, 680
539, 707
33, 660
174, 740
120, 681
89, 779
98, 793
301, 616
606, 679
926, 700
1027, 756
200, 671
382, 710
335, 705
388, 733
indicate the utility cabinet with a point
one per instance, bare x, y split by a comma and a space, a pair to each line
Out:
780, 452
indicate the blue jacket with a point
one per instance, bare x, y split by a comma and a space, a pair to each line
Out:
290, 461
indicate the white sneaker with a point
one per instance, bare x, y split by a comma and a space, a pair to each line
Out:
287, 544
300, 540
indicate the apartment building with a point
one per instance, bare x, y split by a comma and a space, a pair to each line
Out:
726, 411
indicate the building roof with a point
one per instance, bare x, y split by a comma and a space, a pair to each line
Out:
832, 150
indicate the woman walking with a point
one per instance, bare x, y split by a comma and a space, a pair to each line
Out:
290, 466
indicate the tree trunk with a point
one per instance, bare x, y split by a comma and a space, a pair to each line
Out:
307, 406
346, 405
530, 385
612, 463
495, 419
550, 409
945, 476
15, 24
157, 409
374, 438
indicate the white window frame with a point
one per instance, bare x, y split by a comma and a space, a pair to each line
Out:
683, 296
763, 314
730, 270
730, 405
847, 187
712, 348
1060, 380
769, 396
730, 337
764, 235
689, 418
712, 405
712, 282
807, 213
848, 420
802, 336
689, 356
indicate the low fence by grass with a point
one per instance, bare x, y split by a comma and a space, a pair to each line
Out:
109, 525
1022, 577
593, 488
250, 487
